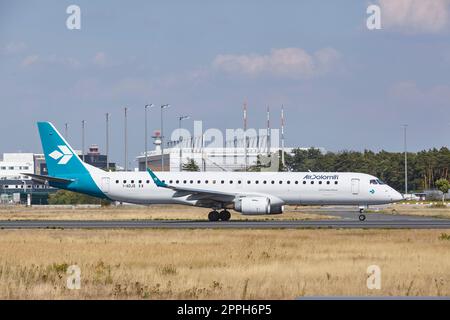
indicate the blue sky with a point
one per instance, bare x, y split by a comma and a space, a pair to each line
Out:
344, 87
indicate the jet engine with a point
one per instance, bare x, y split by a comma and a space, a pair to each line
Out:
257, 205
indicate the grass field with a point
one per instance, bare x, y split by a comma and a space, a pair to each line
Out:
416, 210
221, 264
169, 212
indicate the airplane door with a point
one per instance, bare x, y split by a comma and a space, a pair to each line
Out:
105, 184
355, 186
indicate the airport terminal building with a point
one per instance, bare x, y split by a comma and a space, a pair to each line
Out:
16, 187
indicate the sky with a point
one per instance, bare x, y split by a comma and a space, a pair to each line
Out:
343, 86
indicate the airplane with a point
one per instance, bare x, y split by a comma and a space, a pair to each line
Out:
249, 193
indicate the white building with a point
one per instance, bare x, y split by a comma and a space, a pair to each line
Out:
14, 165
207, 159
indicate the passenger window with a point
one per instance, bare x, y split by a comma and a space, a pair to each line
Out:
198, 181
177, 181
148, 181
272, 182
328, 182
124, 181
171, 181
231, 181
248, 182
117, 181
281, 182
132, 181
312, 182
222, 182
214, 181
184, 181
288, 182
191, 182
239, 181
140, 181
335, 182
296, 182
320, 182
304, 182
265, 182
256, 181
206, 181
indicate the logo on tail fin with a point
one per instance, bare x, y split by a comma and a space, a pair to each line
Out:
64, 157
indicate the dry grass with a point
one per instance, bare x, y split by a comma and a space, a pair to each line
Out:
219, 264
417, 210
160, 212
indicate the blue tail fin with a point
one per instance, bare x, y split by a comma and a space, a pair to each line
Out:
62, 162
65, 164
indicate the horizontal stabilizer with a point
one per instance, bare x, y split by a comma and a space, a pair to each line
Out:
44, 179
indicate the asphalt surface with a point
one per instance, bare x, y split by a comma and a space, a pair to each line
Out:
348, 219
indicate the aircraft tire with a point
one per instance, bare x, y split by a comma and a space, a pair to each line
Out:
225, 215
214, 216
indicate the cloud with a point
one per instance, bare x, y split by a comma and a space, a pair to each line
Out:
51, 60
100, 59
411, 94
14, 48
284, 62
29, 60
415, 16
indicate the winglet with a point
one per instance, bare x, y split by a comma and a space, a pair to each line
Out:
156, 180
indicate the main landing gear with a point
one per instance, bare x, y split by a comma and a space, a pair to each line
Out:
223, 215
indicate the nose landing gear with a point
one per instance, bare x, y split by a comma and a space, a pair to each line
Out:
223, 215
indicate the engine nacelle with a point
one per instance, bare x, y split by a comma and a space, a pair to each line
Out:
257, 205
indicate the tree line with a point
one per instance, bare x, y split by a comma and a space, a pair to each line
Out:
424, 167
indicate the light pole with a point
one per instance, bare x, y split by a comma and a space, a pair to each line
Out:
66, 131
107, 141
83, 123
125, 139
147, 106
164, 106
406, 158
181, 118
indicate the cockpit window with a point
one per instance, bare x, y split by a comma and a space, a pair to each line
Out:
380, 182
373, 181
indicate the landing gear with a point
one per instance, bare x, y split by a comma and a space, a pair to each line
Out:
223, 215
214, 216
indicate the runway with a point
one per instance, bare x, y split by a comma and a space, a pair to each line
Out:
192, 224
346, 218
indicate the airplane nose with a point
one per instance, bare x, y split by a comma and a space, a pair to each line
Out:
397, 196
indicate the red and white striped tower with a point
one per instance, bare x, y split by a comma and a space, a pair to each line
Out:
245, 135
282, 134
268, 131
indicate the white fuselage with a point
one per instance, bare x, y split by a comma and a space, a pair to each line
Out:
312, 188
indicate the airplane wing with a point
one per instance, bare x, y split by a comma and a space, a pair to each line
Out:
205, 196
